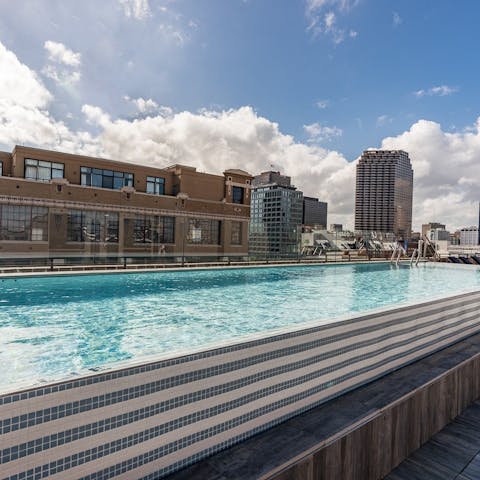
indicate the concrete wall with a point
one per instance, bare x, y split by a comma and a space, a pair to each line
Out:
147, 420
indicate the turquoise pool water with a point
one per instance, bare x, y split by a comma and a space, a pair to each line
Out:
53, 326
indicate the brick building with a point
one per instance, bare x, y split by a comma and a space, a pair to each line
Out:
59, 203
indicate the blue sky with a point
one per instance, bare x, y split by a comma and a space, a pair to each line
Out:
305, 85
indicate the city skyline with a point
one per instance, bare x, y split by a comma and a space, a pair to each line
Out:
307, 87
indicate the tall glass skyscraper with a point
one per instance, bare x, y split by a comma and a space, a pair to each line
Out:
384, 190
276, 215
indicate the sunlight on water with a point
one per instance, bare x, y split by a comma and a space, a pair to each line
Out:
53, 326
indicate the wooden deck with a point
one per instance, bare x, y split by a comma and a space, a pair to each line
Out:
451, 454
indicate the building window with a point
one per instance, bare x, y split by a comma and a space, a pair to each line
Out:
236, 233
151, 229
96, 177
156, 185
237, 194
92, 227
43, 171
23, 223
203, 232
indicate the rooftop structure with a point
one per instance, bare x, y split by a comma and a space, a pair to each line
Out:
384, 189
53, 202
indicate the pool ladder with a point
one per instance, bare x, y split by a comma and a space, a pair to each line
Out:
397, 253
419, 252
415, 258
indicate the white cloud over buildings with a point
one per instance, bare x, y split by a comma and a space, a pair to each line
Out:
446, 168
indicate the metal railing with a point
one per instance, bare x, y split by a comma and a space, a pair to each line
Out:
59, 262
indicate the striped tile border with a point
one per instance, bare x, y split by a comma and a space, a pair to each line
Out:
150, 420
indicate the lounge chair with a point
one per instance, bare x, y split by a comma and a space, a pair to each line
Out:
476, 259
453, 260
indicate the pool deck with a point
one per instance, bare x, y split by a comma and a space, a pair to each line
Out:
452, 454
289, 451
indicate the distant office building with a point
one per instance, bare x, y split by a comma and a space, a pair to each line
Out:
314, 212
276, 215
432, 226
478, 223
469, 236
455, 238
384, 189
336, 227
438, 235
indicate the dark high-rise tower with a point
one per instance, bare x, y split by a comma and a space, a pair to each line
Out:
384, 189
479, 223
314, 212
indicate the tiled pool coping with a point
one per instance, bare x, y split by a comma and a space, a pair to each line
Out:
197, 267
375, 426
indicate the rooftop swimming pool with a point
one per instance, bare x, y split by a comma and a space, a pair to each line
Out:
53, 326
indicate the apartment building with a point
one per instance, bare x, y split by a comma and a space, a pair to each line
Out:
469, 236
60, 203
384, 190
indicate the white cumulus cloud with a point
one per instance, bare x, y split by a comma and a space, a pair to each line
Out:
59, 53
321, 16
19, 85
62, 64
147, 107
24, 116
442, 162
383, 120
439, 91
136, 9
317, 132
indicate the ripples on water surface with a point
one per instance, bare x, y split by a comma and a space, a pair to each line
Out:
51, 326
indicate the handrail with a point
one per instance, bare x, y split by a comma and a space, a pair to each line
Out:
412, 258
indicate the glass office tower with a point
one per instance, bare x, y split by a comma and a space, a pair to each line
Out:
276, 215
